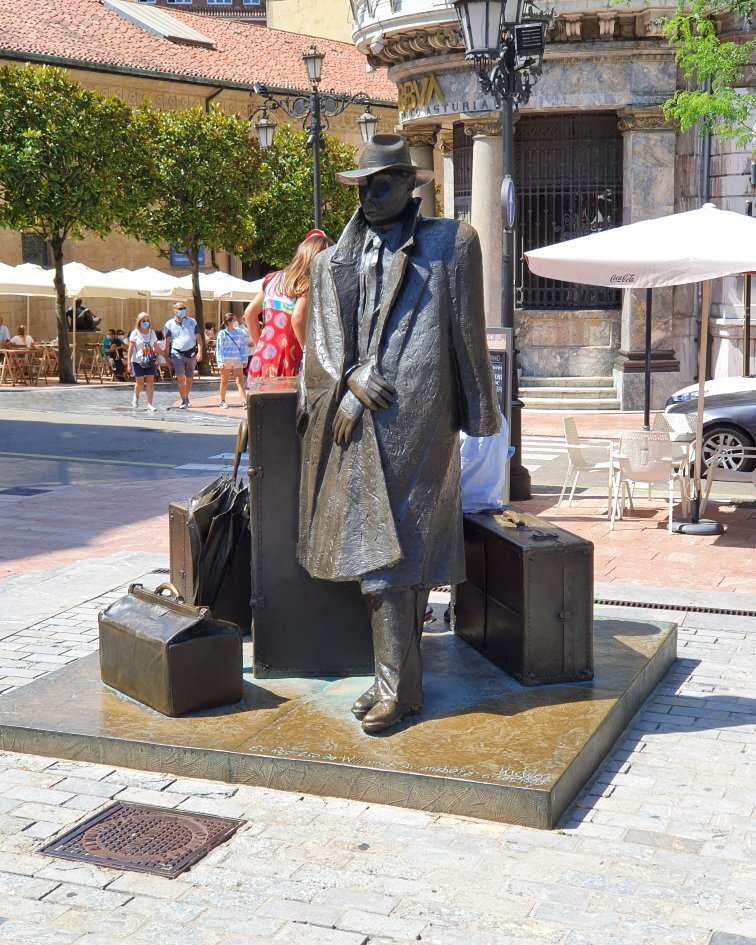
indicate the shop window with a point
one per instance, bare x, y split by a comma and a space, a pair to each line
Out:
569, 184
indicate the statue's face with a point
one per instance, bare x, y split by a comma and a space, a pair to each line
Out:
384, 196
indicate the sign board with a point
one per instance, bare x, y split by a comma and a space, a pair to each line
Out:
181, 259
500, 348
445, 93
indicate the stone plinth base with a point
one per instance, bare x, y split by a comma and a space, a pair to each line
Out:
629, 378
483, 746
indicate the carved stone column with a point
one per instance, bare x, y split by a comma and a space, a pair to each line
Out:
648, 192
422, 142
445, 142
485, 208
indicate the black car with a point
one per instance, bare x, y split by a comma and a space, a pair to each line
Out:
729, 419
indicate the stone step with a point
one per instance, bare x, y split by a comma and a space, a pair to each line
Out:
603, 382
569, 403
557, 393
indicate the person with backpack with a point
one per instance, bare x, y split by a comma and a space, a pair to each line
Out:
231, 356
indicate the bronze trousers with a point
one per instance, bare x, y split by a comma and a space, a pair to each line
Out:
396, 617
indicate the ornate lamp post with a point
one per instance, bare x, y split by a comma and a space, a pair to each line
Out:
505, 40
314, 111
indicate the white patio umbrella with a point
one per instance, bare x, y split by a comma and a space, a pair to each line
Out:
696, 246
222, 286
158, 284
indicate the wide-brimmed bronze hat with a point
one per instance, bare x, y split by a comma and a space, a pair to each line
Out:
384, 153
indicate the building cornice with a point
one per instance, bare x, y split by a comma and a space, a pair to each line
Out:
603, 28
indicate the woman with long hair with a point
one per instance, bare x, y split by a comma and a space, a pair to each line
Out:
142, 359
283, 303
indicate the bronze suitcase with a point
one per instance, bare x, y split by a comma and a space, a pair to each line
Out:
527, 603
171, 656
300, 626
182, 572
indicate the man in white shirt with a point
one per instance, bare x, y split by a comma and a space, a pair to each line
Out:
183, 339
4, 333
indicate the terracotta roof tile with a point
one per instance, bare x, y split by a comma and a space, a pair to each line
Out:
245, 52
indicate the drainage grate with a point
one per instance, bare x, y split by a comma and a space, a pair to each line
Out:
23, 490
143, 839
682, 608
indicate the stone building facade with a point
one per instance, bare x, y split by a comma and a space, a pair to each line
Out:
592, 150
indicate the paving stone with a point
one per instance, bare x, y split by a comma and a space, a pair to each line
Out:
240, 924
375, 924
725, 938
157, 887
312, 913
21, 932
361, 899
314, 935
118, 922
82, 874
87, 897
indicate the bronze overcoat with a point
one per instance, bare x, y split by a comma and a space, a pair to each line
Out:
386, 508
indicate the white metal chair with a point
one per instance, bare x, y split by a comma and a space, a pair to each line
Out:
584, 455
644, 458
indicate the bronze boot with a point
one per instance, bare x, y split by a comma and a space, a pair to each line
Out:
364, 704
396, 616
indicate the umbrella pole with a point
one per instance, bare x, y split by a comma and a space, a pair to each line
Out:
696, 525
647, 364
747, 325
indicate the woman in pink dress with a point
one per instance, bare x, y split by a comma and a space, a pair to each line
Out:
283, 303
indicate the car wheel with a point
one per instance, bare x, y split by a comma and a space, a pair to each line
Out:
732, 443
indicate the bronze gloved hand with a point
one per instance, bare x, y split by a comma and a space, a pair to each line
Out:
371, 388
347, 417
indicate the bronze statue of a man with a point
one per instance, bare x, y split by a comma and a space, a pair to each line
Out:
395, 364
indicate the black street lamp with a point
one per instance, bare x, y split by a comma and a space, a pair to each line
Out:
314, 111
506, 43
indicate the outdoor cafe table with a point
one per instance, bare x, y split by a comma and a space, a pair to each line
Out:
683, 444
16, 367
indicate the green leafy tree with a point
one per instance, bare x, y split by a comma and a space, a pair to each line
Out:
714, 67
70, 164
205, 173
283, 207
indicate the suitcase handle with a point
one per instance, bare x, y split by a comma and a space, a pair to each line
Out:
172, 590
178, 605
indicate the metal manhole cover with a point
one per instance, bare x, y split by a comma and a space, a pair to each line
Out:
144, 839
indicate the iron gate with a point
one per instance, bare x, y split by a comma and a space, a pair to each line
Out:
569, 176
463, 145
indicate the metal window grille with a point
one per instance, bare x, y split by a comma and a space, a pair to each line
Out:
569, 174
463, 145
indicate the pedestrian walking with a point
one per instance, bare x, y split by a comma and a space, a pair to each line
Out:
184, 341
283, 304
142, 359
231, 356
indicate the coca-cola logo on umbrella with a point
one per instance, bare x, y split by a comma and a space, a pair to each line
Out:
627, 279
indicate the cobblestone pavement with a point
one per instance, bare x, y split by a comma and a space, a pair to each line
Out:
114, 400
659, 848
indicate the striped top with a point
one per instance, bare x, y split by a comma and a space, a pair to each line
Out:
231, 343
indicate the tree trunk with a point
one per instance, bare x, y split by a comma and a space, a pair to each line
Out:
66, 372
193, 253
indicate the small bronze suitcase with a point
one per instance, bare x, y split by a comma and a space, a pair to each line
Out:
527, 603
169, 655
301, 626
182, 571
